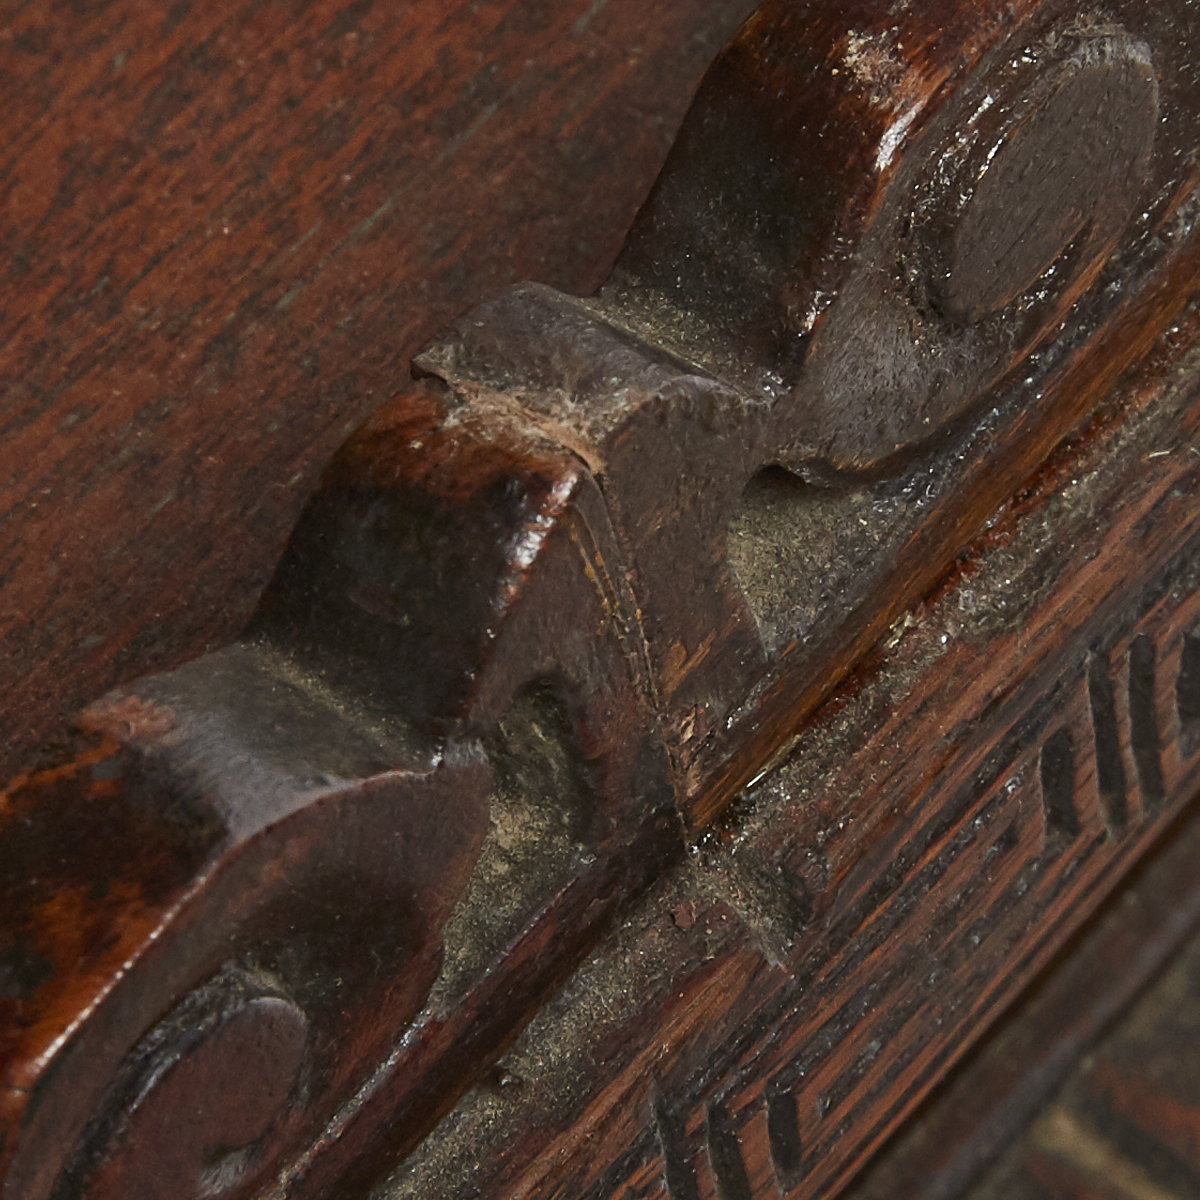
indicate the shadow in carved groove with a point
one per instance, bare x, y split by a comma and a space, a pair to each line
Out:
1110, 770
1058, 786
539, 811
1143, 722
795, 549
783, 1136
1116, 729
1187, 694
677, 1167
725, 1155
729, 1172
1145, 739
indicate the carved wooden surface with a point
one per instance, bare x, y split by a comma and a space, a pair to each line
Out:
1124, 1123
777, 1007
227, 228
607, 563
989, 1100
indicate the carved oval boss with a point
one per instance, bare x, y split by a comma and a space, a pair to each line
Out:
880, 221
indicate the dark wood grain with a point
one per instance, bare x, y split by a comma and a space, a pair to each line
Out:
226, 229
999, 1089
776, 1008
512, 605
303, 862
693, 369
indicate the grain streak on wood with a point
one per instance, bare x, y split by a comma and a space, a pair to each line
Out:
227, 228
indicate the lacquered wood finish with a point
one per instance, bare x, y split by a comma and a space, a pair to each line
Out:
555, 605
227, 227
775, 1009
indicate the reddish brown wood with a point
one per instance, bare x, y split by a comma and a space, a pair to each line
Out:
226, 229
233, 824
999, 1089
693, 368
222, 1076
879, 901
1124, 1123
512, 605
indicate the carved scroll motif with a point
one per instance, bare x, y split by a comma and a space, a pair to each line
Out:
838, 333
782, 999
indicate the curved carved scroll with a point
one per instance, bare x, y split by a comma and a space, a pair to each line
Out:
857, 264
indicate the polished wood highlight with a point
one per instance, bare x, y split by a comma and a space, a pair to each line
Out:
747, 676
227, 227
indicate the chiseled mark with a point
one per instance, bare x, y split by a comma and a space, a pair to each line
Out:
725, 1156
595, 571
1057, 771
1138, 728
678, 1172
783, 1137
728, 1167
1059, 1133
1187, 693
1110, 770
625, 619
726, 1160
680, 664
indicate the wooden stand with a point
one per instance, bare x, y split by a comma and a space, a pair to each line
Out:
682, 720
